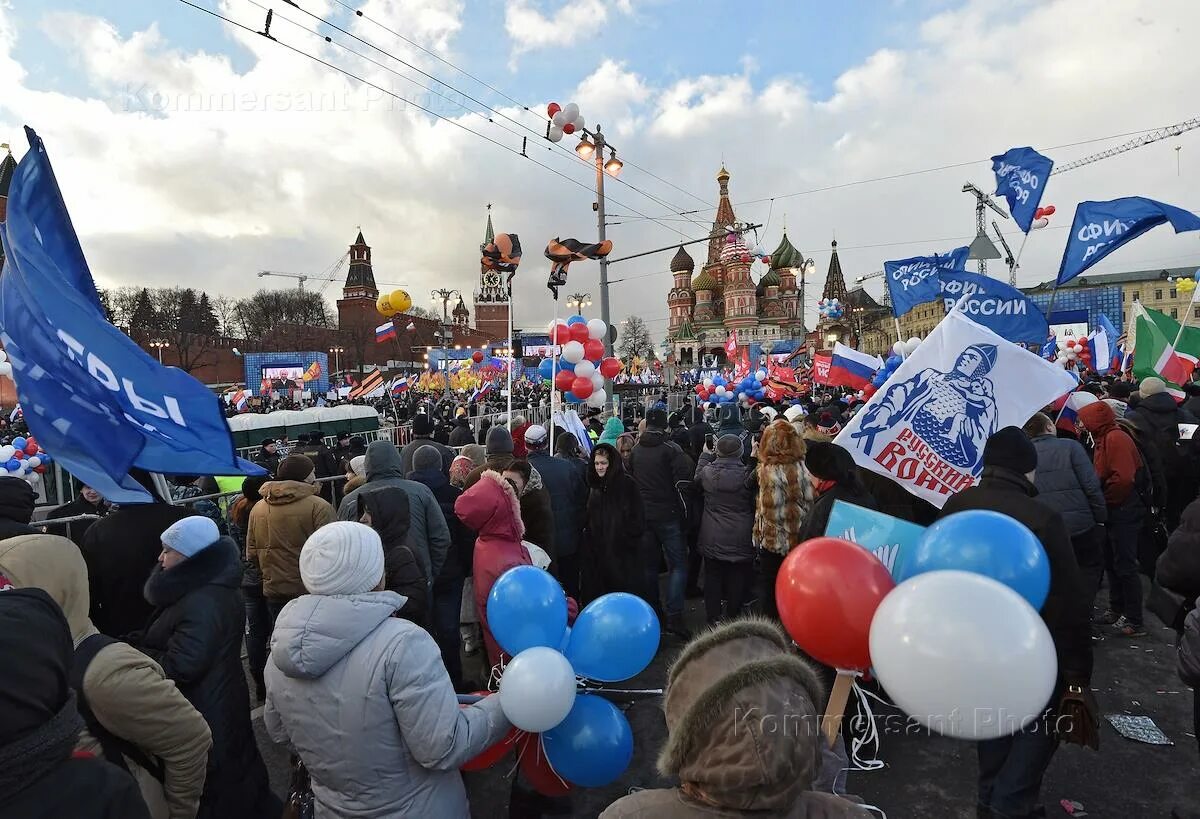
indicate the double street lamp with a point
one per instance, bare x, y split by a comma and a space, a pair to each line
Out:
578, 301
589, 149
444, 296
159, 345
337, 358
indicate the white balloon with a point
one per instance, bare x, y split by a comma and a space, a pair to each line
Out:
1038, 224
570, 112
3, 356
585, 368
579, 123
572, 352
34, 461
537, 689
898, 348
6, 369
1071, 354
597, 329
963, 654
597, 398
6, 452
761, 375
559, 120
707, 383
556, 134
911, 345
720, 390
597, 380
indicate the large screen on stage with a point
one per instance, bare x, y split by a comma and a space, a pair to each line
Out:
284, 377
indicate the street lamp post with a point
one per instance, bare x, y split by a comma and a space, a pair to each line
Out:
444, 296
159, 345
578, 301
337, 358
587, 150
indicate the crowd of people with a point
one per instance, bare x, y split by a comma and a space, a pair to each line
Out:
356, 578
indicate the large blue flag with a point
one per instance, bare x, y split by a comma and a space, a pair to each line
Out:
915, 280
92, 397
1102, 227
1021, 175
997, 305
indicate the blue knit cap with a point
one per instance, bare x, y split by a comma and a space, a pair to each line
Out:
191, 535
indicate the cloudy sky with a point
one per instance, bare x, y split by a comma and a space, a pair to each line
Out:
194, 152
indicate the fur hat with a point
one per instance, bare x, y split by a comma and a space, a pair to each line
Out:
793, 412
295, 468
1010, 448
829, 462
656, 419
191, 535
342, 557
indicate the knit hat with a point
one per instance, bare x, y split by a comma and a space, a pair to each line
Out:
295, 468
358, 465
793, 412
535, 436
1120, 390
499, 441
1010, 448
1151, 386
427, 457
460, 467
729, 446
475, 453
829, 462
656, 419
422, 424
191, 535
343, 557
828, 425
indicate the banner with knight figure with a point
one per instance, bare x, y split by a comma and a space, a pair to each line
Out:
926, 427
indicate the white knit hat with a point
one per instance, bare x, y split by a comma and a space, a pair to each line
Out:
342, 558
793, 412
190, 535
358, 465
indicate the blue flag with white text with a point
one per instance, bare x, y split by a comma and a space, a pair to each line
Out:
94, 399
1021, 175
1102, 227
997, 305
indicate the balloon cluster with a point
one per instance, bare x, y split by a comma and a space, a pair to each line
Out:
391, 304
564, 119
1182, 285
582, 367
718, 390
1071, 351
585, 740
1041, 217
23, 458
750, 388
954, 637
6, 369
830, 308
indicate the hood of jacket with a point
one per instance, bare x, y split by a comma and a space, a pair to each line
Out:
219, 564
1161, 403
315, 631
1098, 418
615, 467
491, 509
781, 444
56, 565
1006, 480
281, 493
390, 513
16, 499
728, 697
534, 483
383, 461
435, 479
613, 428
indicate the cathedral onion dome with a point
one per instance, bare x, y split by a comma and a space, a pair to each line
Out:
770, 279
682, 261
786, 256
735, 250
722, 175
705, 281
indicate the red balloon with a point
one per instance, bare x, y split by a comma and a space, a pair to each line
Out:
609, 368
19, 454
579, 332
564, 380
31, 448
562, 333
1037, 214
552, 109
581, 387
569, 128
827, 591
41, 470
477, 357
1048, 210
699, 387
593, 349
1070, 342
537, 768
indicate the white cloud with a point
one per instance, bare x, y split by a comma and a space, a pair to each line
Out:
229, 170
530, 28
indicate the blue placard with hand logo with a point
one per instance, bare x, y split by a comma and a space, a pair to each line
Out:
883, 535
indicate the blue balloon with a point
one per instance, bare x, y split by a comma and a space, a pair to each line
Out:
19, 443
576, 320
13, 465
562, 647
563, 364
984, 542
759, 394
593, 745
525, 608
614, 638
719, 381
546, 368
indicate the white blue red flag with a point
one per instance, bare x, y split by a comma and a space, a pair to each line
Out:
851, 368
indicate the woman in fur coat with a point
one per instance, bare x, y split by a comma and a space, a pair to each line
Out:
784, 501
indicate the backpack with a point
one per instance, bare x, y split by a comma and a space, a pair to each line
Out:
114, 748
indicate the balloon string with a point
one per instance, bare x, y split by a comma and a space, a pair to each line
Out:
869, 738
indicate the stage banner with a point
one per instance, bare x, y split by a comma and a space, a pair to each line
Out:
882, 535
926, 427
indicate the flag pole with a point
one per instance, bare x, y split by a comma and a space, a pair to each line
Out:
1186, 315
553, 375
511, 350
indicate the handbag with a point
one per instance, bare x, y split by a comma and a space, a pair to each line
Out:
300, 799
1078, 718
1166, 605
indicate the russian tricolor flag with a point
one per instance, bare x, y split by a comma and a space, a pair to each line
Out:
851, 368
1068, 409
399, 384
385, 331
1102, 345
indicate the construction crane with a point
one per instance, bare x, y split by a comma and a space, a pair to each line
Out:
1009, 259
982, 248
299, 278
1137, 142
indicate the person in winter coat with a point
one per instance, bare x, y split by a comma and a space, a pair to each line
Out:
730, 423
462, 434
726, 530
1189, 664
1124, 481
423, 436
724, 766
610, 558
662, 472
41, 777
1178, 567
325, 465
1067, 482
356, 474
564, 482
386, 511
258, 617
1192, 402
448, 586
268, 455
342, 666
783, 503
88, 502
195, 634
498, 454
17, 500
133, 715
1010, 777
428, 535
121, 550
290, 511
536, 513
471, 456
613, 429
834, 477
1159, 417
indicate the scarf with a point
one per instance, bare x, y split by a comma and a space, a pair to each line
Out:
23, 761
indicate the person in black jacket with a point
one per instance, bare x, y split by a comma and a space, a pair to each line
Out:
387, 511
88, 502
268, 455
568, 499
195, 635
325, 465
40, 778
609, 551
1158, 416
834, 477
121, 551
423, 436
17, 500
725, 536
1011, 768
461, 434
662, 472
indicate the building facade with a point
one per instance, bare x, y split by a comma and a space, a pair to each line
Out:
492, 299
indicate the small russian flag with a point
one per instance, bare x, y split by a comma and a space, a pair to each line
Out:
851, 368
385, 331
399, 384
239, 400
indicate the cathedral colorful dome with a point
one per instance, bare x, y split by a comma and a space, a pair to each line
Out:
682, 261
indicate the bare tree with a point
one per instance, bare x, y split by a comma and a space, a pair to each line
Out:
633, 339
423, 312
225, 308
